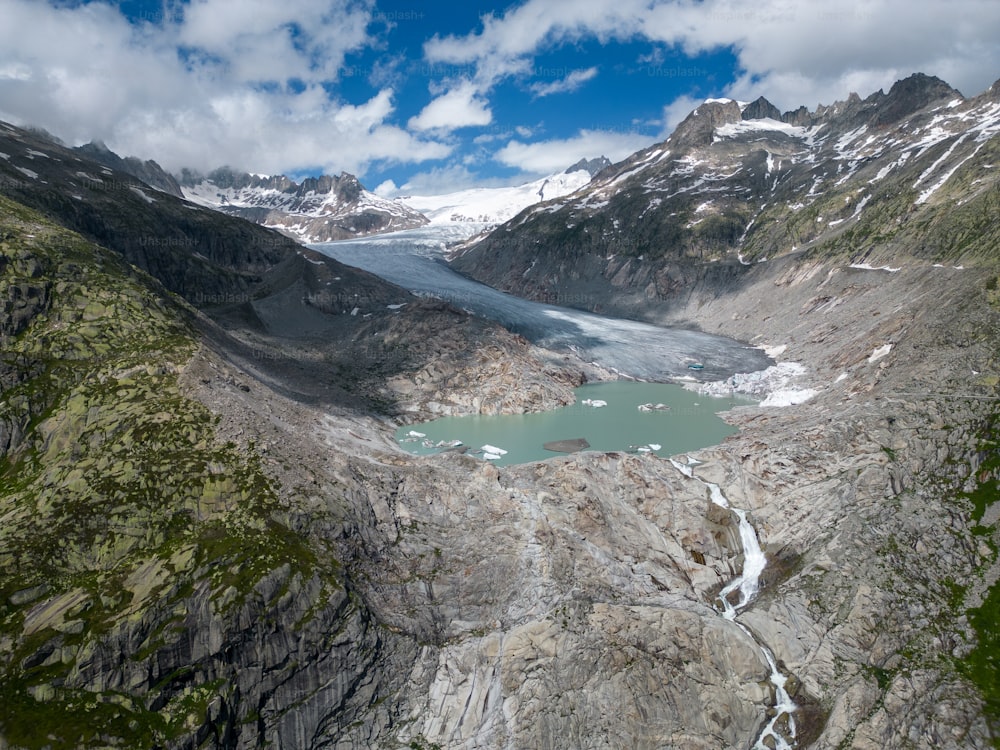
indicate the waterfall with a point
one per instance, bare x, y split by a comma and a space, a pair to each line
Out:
748, 583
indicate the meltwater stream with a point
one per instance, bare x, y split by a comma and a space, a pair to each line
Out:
414, 259
747, 584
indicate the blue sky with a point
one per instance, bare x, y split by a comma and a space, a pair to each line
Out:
425, 97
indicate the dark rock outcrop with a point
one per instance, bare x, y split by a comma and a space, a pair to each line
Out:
759, 109
147, 171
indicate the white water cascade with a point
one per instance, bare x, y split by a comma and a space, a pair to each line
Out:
748, 583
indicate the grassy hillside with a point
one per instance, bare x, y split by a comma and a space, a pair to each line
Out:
122, 513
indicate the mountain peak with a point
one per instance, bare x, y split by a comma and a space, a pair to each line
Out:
148, 171
698, 128
911, 94
590, 166
761, 109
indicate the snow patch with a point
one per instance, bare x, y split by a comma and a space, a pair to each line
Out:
879, 353
869, 267
27, 172
789, 397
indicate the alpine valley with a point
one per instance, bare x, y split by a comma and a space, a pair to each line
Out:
209, 537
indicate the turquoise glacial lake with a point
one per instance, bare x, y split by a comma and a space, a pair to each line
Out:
673, 420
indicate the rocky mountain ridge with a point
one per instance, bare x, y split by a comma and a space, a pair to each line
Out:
737, 184
320, 209
147, 171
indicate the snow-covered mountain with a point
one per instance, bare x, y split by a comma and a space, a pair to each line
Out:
894, 175
487, 207
319, 209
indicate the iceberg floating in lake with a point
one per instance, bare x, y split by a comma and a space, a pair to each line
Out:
492, 453
653, 407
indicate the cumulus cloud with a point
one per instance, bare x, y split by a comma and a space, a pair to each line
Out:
219, 81
551, 156
459, 107
792, 52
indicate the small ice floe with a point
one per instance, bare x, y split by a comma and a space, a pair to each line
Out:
647, 448
653, 407
492, 453
415, 434
594, 402
448, 444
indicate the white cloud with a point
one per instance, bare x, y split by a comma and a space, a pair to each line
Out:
274, 40
794, 52
571, 82
548, 157
386, 189
460, 107
85, 72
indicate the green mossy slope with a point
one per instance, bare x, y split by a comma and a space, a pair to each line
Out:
118, 505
